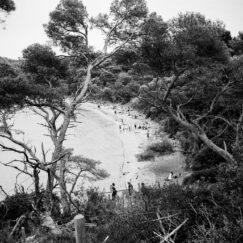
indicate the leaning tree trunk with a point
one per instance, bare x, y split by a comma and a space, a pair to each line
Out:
58, 145
203, 137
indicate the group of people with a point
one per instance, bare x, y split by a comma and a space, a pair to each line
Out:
114, 191
123, 127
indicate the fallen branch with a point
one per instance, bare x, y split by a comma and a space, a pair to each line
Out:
168, 236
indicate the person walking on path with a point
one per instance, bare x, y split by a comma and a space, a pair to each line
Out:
147, 134
113, 191
130, 188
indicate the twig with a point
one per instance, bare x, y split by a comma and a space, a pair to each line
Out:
166, 238
19, 222
5, 193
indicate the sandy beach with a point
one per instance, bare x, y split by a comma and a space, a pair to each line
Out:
108, 133
126, 134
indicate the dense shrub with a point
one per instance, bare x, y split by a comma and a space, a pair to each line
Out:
107, 94
206, 158
98, 209
207, 175
161, 148
213, 212
171, 126
146, 155
16, 205
156, 149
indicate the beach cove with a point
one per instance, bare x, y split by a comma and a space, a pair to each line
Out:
108, 133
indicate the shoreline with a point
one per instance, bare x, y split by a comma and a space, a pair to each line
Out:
97, 136
132, 170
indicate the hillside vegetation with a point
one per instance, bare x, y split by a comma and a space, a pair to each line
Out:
185, 73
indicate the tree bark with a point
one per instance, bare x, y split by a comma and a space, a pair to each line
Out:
37, 187
58, 145
63, 190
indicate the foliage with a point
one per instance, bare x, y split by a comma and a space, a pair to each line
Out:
156, 149
213, 212
131, 12
237, 44
97, 209
12, 207
161, 148
11, 84
15, 206
43, 63
146, 155
46, 72
7, 5
107, 94
68, 26
181, 69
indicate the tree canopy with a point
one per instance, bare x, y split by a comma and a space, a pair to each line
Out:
7, 5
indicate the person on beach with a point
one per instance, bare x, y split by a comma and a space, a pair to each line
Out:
170, 177
145, 195
147, 134
120, 127
113, 191
130, 188
135, 126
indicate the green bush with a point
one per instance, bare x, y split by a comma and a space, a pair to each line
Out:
156, 149
146, 155
16, 205
208, 175
107, 94
98, 209
213, 212
161, 148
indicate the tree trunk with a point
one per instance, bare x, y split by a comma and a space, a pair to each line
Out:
63, 191
58, 145
37, 188
203, 137
66, 121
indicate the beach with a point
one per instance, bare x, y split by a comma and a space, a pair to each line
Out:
111, 134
